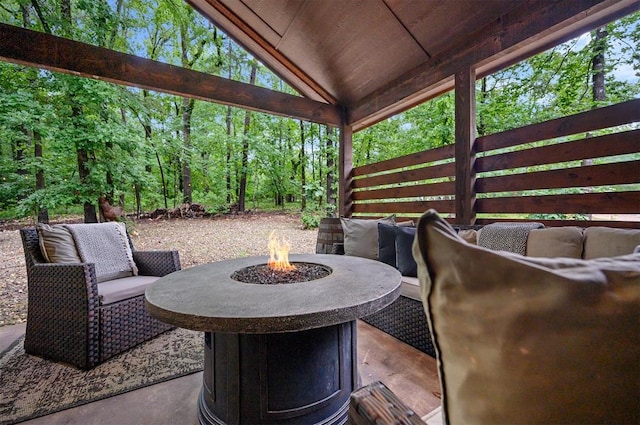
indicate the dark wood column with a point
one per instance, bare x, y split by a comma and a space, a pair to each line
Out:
465, 146
345, 160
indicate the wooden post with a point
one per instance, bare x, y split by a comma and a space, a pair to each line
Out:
345, 167
465, 146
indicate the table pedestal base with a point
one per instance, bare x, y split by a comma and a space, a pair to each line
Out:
301, 377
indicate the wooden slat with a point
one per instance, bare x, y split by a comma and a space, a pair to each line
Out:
32, 48
596, 119
584, 203
403, 207
592, 147
430, 189
416, 174
594, 175
418, 158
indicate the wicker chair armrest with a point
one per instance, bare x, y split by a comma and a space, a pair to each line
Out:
156, 263
76, 280
63, 292
375, 404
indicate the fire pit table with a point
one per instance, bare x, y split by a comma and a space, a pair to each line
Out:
276, 353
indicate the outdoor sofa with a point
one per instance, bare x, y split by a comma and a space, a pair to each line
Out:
86, 287
390, 241
547, 337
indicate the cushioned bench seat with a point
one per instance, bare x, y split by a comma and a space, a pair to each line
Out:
116, 290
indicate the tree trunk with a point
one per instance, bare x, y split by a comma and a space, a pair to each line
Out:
43, 212
242, 192
598, 62
83, 172
228, 122
187, 109
301, 161
228, 157
331, 196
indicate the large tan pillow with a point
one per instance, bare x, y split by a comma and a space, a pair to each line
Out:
56, 244
524, 340
553, 242
609, 241
361, 236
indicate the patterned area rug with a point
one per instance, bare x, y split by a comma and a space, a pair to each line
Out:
31, 387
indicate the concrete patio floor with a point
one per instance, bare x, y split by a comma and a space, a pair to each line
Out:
409, 373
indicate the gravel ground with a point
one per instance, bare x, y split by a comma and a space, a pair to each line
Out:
198, 241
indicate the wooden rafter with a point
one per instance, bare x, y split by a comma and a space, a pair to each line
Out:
32, 48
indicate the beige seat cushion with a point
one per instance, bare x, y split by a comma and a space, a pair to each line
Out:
609, 242
410, 288
361, 236
555, 242
121, 289
530, 340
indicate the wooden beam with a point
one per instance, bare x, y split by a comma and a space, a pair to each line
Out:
465, 99
345, 168
32, 48
521, 33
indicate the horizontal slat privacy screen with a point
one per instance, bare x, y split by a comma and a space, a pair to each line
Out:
582, 169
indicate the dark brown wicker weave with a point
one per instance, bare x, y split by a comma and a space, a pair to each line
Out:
405, 320
375, 404
65, 321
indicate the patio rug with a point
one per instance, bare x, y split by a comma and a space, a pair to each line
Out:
31, 386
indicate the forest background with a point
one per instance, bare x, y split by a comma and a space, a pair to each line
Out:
66, 140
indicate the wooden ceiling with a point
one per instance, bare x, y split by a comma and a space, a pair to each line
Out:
348, 49
377, 57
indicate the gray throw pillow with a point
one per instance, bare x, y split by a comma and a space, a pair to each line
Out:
361, 236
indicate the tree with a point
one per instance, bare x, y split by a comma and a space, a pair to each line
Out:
242, 190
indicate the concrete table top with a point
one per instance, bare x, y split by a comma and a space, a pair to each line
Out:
205, 298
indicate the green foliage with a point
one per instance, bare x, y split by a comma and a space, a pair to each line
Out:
135, 142
310, 219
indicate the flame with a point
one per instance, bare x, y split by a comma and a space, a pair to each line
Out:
279, 253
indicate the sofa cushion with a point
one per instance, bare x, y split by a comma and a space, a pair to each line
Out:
404, 257
123, 289
530, 340
554, 242
387, 241
609, 241
410, 288
56, 244
387, 244
361, 236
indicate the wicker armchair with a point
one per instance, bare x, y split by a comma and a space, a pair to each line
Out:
66, 321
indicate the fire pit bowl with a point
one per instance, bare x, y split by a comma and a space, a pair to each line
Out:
276, 353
